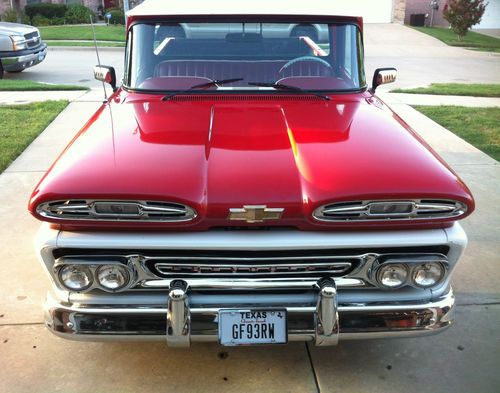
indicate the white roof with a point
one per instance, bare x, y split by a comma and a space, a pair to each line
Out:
241, 7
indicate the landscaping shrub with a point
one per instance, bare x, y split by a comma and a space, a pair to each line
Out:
10, 16
47, 10
57, 21
77, 13
117, 17
40, 20
463, 14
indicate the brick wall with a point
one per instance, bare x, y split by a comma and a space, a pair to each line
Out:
422, 7
399, 7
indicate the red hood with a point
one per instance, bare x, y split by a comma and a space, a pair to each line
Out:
220, 152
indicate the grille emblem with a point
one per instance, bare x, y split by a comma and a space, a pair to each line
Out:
254, 213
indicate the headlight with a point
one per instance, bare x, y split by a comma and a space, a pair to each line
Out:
392, 275
75, 277
113, 277
18, 42
426, 275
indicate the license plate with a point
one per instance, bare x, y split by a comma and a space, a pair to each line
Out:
249, 327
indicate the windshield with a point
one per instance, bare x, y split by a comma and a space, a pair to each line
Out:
244, 56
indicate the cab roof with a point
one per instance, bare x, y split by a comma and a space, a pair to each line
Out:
238, 7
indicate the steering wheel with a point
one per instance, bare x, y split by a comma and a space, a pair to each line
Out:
305, 58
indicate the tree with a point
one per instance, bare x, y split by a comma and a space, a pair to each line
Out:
463, 14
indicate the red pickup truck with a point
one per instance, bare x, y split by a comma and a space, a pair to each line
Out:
245, 184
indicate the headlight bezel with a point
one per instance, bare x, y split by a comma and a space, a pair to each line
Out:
412, 265
93, 267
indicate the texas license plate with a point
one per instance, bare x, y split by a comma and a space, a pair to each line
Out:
247, 327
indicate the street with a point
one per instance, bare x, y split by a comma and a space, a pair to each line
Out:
420, 60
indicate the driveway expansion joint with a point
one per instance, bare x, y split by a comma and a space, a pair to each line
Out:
315, 375
22, 324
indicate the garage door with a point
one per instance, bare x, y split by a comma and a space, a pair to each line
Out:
372, 11
491, 17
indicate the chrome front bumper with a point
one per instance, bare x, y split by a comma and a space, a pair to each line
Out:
20, 62
189, 317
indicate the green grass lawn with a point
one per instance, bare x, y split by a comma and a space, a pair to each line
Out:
21, 124
68, 32
471, 40
24, 85
455, 89
478, 126
100, 44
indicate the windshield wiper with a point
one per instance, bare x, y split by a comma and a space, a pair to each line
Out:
213, 82
281, 86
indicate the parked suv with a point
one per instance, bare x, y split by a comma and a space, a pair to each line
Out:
20, 47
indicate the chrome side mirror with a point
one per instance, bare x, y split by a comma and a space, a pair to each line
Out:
106, 74
382, 76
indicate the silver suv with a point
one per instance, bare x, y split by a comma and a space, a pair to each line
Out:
20, 47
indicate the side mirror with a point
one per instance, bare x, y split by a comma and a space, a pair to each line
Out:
106, 74
382, 76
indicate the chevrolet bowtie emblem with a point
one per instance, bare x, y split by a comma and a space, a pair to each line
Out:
255, 213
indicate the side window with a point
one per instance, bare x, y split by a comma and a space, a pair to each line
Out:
348, 57
361, 60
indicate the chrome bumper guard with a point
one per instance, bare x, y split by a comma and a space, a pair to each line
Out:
186, 319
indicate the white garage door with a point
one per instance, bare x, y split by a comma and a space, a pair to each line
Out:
372, 11
491, 17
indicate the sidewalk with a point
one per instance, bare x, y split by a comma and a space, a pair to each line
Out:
25, 97
436, 100
461, 360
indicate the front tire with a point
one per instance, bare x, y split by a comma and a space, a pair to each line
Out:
1, 70
17, 71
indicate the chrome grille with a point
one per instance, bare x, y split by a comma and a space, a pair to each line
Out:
32, 39
399, 210
241, 267
249, 269
116, 210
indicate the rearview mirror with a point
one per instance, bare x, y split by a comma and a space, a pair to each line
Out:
382, 76
106, 74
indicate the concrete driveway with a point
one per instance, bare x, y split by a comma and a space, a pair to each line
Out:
465, 358
419, 58
462, 359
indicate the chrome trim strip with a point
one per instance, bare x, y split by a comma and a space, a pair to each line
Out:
419, 209
146, 211
250, 284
